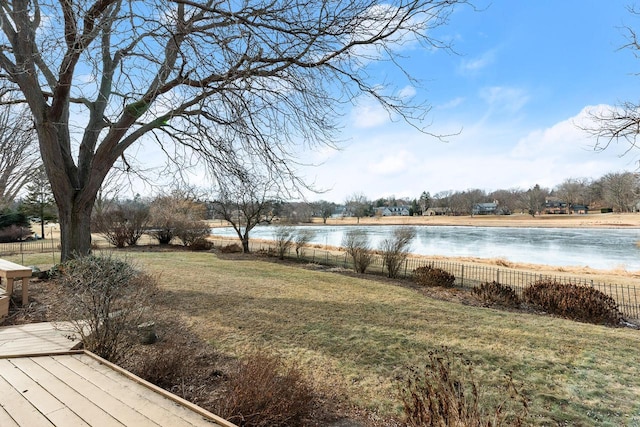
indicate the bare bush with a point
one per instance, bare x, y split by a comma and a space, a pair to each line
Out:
445, 394
302, 238
496, 293
13, 233
105, 299
232, 248
356, 243
265, 392
284, 236
431, 276
190, 231
122, 223
574, 302
395, 249
175, 215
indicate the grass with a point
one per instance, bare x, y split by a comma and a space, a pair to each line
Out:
355, 337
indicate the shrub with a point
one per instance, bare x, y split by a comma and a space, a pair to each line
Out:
105, 299
201, 244
166, 367
395, 249
431, 276
174, 215
283, 236
122, 223
445, 393
302, 238
190, 231
496, 293
263, 392
574, 302
13, 233
356, 243
232, 248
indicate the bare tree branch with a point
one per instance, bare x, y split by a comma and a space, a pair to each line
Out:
234, 83
18, 152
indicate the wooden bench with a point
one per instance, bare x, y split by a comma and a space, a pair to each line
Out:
10, 271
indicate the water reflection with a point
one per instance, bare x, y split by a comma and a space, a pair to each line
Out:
595, 248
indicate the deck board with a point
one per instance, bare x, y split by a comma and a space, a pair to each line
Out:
152, 405
36, 338
44, 383
6, 420
21, 410
72, 399
106, 405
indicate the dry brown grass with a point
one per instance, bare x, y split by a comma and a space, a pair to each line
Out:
354, 336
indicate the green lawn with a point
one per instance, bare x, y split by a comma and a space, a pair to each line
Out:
355, 336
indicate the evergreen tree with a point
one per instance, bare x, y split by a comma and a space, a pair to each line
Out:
39, 201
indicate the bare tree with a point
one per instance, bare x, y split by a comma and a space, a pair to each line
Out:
245, 203
508, 200
18, 152
621, 123
620, 191
220, 81
358, 206
324, 209
573, 191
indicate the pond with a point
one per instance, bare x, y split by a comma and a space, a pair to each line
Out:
598, 248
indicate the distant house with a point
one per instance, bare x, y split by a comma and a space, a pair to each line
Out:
485, 209
554, 205
580, 209
437, 211
392, 211
339, 212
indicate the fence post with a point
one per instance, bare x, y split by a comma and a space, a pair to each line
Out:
462, 276
498, 275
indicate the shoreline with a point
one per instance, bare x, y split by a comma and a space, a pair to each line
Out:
595, 220
592, 220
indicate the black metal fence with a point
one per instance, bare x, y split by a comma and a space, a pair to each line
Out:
29, 246
467, 275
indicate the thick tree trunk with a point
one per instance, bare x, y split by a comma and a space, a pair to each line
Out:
245, 243
75, 229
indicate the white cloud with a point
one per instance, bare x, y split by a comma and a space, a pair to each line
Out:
407, 92
478, 63
453, 103
369, 115
401, 162
501, 98
395, 163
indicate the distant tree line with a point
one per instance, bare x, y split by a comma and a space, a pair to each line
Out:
616, 192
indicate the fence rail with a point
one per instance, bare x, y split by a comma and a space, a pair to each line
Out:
467, 275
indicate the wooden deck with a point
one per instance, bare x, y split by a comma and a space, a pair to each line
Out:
50, 385
36, 338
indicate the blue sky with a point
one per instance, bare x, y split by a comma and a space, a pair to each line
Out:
523, 75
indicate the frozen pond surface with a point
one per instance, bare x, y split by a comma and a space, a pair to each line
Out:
596, 248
